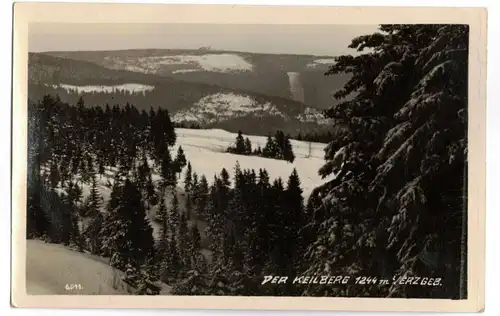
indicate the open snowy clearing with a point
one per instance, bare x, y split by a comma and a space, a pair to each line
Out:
50, 268
205, 150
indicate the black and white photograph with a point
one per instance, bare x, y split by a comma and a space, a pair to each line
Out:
255, 160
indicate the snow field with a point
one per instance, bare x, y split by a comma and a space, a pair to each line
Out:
51, 267
223, 106
217, 107
322, 61
223, 63
205, 150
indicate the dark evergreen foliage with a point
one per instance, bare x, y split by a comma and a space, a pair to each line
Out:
278, 147
395, 162
399, 164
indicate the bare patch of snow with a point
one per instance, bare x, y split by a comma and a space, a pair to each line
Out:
210, 62
322, 61
180, 71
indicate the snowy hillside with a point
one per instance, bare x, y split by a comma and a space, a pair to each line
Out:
191, 72
223, 106
220, 107
311, 115
51, 267
205, 150
207, 109
223, 63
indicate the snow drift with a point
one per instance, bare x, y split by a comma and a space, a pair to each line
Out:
52, 268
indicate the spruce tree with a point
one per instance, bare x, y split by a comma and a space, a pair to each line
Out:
132, 240
90, 171
174, 216
188, 179
163, 218
114, 197
172, 263
180, 160
201, 196
279, 139
167, 170
37, 220
288, 154
183, 243
54, 176
148, 277
258, 151
224, 176
248, 146
194, 183
94, 201
240, 144
75, 164
270, 149
277, 232
69, 200
294, 220
101, 167
217, 214
398, 167
195, 239
188, 206
151, 191
258, 244
93, 234
143, 173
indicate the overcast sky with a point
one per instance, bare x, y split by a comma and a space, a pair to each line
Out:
327, 40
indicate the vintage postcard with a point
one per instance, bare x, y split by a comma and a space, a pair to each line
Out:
248, 157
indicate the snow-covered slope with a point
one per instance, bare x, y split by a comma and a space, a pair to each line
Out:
205, 149
211, 108
50, 268
221, 107
220, 62
311, 115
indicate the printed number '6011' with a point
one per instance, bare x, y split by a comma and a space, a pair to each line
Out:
71, 287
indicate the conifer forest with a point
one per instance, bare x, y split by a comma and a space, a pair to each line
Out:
111, 182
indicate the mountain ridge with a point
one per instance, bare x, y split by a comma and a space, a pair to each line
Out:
257, 72
56, 75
